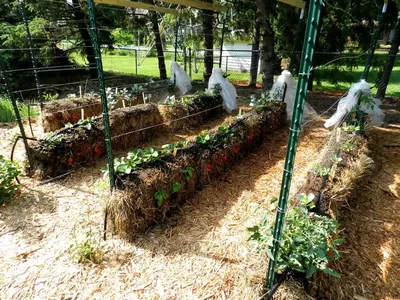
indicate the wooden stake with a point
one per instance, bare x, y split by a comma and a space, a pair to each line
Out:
82, 114
80, 91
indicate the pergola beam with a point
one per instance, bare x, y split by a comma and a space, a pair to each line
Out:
139, 5
296, 3
197, 4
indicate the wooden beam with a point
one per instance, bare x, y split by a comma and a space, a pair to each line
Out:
140, 5
197, 4
296, 3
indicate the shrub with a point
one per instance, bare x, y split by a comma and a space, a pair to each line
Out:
8, 171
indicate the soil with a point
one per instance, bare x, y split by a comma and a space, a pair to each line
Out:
202, 251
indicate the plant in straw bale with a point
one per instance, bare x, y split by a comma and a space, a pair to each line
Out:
176, 187
348, 146
188, 173
205, 139
168, 148
352, 129
8, 171
225, 133
135, 158
320, 170
160, 196
308, 242
52, 140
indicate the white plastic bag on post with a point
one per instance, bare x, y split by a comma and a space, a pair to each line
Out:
228, 91
291, 86
347, 103
181, 79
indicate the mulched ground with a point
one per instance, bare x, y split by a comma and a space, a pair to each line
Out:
202, 251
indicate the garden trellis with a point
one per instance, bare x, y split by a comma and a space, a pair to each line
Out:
295, 128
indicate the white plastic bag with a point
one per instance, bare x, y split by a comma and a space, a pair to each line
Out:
287, 77
347, 103
182, 80
228, 91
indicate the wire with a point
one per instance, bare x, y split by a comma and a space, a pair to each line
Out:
166, 123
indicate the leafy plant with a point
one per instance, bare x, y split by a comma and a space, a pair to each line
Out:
87, 250
320, 171
352, 128
160, 196
188, 173
348, 146
336, 159
50, 97
52, 140
135, 158
308, 242
8, 171
86, 122
204, 139
170, 147
266, 97
176, 187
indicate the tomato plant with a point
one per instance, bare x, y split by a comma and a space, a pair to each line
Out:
308, 242
8, 171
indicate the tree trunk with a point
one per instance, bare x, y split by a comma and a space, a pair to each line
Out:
159, 46
255, 55
387, 70
80, 21
208, 21
310, 84
267, 48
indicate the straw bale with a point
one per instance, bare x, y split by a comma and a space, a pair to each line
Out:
133, 209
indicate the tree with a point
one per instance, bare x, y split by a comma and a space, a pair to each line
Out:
267, 47
387, 70
158, 44
208, 22
80, 20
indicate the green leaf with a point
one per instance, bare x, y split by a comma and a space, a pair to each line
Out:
338, 241
311, 270
330, 272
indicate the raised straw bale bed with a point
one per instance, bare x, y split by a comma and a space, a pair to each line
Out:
342, 162
148, 192
79, 144
55, 114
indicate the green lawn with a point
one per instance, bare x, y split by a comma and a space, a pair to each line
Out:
327, 78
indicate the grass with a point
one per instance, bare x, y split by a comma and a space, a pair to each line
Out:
334, 77
7, 111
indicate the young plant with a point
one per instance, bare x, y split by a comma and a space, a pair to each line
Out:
204, 139
176, 187
336, 159
348, 146
160, 196
52, 140
188, 173
8, 171
320, 171
352, 129
308, 242
87, 250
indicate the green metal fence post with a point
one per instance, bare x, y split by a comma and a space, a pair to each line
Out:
32, 54
16, 111
295, 128
374, 42
106, 121
136, 65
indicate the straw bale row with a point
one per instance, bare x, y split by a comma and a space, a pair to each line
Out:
134, 208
